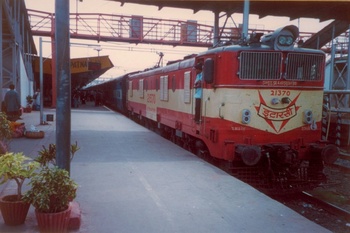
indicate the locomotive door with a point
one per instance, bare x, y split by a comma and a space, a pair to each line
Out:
198, 91
204, 74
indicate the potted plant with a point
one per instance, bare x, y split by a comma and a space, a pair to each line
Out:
28, 108
15, 166
48, 155
51, 192
5, 133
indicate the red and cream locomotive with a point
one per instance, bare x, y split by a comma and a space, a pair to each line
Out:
260, 110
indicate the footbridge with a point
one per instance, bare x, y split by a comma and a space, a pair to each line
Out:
139, 29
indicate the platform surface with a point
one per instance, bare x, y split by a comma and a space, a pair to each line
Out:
132, 180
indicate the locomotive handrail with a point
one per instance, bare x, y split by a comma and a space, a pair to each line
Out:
336, 102
339, 100
337, 92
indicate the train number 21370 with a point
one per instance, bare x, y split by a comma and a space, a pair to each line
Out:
280, 92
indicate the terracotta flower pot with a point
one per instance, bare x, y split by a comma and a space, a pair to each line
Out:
53, 222
14, 212
27, 109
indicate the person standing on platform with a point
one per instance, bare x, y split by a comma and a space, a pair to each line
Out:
12, 104
98, 98
198, 91
37, 101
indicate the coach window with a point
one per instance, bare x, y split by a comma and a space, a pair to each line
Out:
157, 84
187, 87
173, 83
145, 84
130, 88
141, 88
164, 88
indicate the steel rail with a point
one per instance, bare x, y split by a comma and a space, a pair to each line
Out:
329, 207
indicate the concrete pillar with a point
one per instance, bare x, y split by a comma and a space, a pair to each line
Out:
63, 88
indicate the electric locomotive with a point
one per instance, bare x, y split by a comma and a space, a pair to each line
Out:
260, 110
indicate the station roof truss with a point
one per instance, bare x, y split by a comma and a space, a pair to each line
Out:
318, 9
17, 42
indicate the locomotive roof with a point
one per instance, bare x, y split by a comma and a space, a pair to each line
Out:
318, 9
254, 48
189, 62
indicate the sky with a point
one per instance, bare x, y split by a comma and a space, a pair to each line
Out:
128, 61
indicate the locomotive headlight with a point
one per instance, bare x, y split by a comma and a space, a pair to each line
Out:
275, 101
285, 40
246, 115
307, 118
290, 40
282, 40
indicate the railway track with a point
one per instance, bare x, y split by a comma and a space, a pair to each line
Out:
318, 210
329, 204
343, 162
326, 205
335, 198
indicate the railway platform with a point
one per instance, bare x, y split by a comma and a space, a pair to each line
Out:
132, 180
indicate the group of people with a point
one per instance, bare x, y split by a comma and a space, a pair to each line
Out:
81, 97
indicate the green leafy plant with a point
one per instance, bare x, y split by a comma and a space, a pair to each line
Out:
48, 155
29, 99
51, 190
18, 167
5, 133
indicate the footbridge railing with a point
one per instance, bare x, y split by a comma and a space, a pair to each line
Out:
137, 29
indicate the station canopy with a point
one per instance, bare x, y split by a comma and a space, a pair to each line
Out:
318, 9
83, 70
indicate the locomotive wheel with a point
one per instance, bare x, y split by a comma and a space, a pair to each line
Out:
188, 144
201, 150
173, 138
147, 124
179, 141
251, 155
330, 154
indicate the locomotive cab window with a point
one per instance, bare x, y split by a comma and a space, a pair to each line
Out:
208, 71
